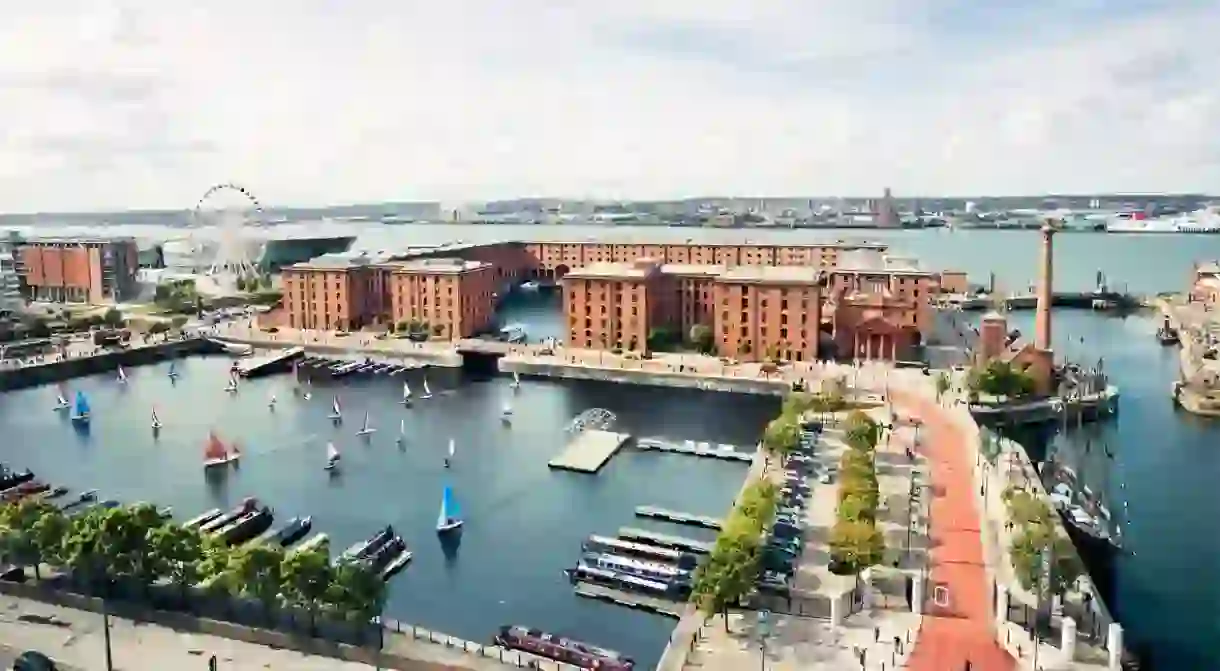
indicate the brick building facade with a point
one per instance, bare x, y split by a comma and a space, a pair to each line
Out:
78, 270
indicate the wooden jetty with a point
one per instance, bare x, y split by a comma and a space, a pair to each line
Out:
664, 540
694, 449
589, 451
678, 517
651, 604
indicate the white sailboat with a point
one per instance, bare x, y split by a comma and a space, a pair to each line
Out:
61, 400
516, 383
156, 421
452, 449
307, 395
402, 431
406, 393
122, 376
231, 387
173, 372
366, 430
427, 392
332, 457
507, 413
336, 413
449, 518
271, 402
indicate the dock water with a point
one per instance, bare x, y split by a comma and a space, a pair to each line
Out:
678, 517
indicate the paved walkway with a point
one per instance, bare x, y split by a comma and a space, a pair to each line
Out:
957, 627
75, 638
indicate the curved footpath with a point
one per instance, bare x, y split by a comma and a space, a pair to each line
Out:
957, 627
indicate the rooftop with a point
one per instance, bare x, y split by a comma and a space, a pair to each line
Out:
876, 261
609, 269
81, 240
772, 274
436, 265
339, 261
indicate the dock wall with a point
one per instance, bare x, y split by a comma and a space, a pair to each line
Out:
58, 371
738, 385
445, 357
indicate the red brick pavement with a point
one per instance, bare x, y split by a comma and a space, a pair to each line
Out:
961, 630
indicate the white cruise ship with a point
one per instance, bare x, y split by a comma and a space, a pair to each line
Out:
1206, 220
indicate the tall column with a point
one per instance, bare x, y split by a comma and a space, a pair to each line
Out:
1046, 282
1114, 645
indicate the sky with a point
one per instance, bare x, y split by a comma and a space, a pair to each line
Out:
109, 104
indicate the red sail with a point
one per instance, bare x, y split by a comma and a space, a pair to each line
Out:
215, 448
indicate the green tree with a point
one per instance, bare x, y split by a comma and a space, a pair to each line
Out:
781, 436
855, 507
83, 552
113, 318
23, 534
854, 546
306, 577
257, 570
177, 552
702, 338
357, 592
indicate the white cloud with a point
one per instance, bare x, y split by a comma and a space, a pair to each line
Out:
143, 104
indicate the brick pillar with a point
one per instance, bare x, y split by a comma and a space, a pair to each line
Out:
1046, 283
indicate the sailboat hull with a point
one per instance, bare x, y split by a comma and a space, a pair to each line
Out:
366, 432
220, 461
448, 527
80, 418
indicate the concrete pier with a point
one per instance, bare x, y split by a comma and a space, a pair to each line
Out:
651, 604
694, 449
589, 451
664, 540
277, 361
678, 517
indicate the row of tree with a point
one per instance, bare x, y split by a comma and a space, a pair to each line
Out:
731, 570
1043, 559
783, 433
855, 541
135, 548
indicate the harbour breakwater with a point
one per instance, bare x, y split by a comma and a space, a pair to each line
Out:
737, 385
65, 369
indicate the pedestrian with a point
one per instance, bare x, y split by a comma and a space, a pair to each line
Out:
876, 634
898, 644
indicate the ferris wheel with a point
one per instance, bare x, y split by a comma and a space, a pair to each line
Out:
232, 210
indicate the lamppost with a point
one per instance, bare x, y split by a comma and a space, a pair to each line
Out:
106, 635
764, 630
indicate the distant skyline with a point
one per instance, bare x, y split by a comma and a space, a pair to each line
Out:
110, 106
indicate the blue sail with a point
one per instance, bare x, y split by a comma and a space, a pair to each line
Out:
82, 406
449, 511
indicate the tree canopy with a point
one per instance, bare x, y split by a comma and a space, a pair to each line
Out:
855, 541
732, 567
138, 546
1035, 533
1001, 378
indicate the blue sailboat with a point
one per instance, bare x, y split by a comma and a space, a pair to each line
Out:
450, 518
80, 413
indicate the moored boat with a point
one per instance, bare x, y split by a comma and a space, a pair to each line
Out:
81, 499
292, 531
399, 563
9, 479
247, 505
562, 649
363, 549
245, 527
15, 494
202, 518
379, 558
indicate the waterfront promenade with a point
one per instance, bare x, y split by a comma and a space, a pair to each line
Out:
76, 638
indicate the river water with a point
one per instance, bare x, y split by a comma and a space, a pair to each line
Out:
524, 522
